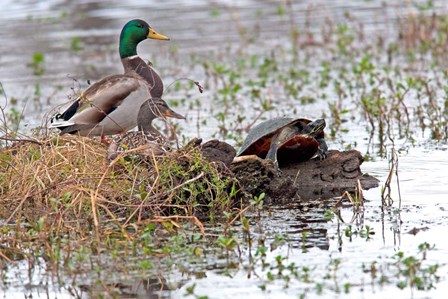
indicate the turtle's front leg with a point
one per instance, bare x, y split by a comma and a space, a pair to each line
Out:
322, 152
272, 155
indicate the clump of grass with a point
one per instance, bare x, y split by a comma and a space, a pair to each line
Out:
66, 183
201, 188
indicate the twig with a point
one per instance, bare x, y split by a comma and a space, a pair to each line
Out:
200, 88
178, 186
241, 212
21, 140
5, 257
386, 198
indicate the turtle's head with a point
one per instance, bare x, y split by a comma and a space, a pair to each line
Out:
133, 33
315, 128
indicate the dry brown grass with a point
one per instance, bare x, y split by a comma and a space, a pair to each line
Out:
67, 183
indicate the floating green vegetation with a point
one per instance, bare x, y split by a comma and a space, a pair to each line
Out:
406, 271
76, 44
414, 272
38, 64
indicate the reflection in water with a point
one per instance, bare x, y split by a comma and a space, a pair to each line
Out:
156, 287
311, 231
35, 280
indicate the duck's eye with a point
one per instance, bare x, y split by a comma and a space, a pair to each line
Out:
139, 25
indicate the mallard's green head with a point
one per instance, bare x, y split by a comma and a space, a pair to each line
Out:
133, 33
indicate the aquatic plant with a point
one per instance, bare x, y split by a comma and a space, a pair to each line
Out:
413, 272
38, 64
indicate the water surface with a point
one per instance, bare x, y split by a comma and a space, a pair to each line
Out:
205, 30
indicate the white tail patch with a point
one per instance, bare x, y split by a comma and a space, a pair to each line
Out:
56, 123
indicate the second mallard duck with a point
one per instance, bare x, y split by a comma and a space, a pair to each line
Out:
147, 136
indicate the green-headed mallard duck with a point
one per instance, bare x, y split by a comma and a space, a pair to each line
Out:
133, 31
111, 105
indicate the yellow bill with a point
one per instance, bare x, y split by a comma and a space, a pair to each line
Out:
154, 35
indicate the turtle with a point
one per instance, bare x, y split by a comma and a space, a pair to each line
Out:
286, 140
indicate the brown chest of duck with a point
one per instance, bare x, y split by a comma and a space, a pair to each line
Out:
286, 140
131, 34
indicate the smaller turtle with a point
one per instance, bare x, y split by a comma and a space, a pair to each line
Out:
286, 140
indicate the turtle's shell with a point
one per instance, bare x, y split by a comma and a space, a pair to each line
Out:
259, 139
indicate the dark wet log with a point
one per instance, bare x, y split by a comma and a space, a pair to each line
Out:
309, 180
330, 177
313, 179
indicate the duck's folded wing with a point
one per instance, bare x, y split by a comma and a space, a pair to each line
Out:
97, 102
